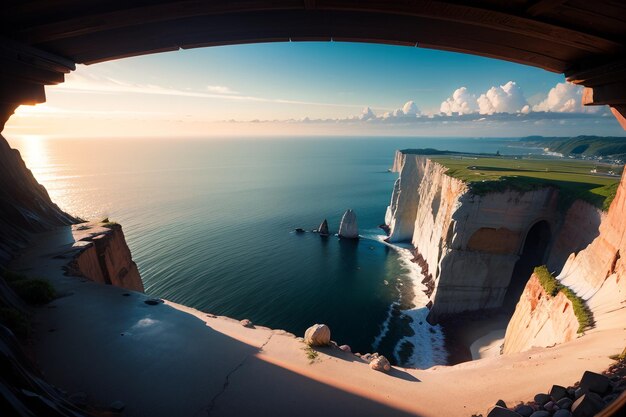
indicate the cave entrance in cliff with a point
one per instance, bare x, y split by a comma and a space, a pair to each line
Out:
532, 255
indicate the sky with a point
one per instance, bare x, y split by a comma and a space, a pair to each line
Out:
311, 88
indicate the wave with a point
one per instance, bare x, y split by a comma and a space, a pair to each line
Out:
427, 341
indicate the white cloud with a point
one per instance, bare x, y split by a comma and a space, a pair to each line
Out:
461, 102
367, 114
410, 108
564, 98
507, 98
220, 89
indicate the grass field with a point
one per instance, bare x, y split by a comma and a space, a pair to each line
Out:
572, 177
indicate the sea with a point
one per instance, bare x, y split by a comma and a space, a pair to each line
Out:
211, 224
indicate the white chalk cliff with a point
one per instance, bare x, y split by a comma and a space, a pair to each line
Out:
469, 244
348, 228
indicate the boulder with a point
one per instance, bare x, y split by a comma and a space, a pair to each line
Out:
524, 410
348, 228
565, 403
501, 403
246, 323
562, 413
317, 335
587, 405
499, 411
345, 348
380, 363
542, 399
557, 392
594, 382
323, 229
540, 413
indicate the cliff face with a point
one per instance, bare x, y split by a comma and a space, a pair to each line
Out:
540, 320
595, 273
470, 244
579, 227
25, 206
103, 256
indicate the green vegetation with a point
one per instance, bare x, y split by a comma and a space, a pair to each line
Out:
107, 223
552, 287
588, 146
620, 358
311, 353
32, 290
575, 179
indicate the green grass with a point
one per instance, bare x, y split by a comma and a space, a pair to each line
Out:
311, 354
32, 290
552, 287
573, 178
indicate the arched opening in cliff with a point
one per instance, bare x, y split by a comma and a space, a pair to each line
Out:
531, 256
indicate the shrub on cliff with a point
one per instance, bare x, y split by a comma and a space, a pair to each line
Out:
552, 287
32, 290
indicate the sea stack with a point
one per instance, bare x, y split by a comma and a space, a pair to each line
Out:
323, 229
348, 228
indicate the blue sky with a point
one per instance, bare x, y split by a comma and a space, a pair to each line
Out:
312, 88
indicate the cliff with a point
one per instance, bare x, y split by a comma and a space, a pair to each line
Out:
540, 319
595, 273
102, 255
474, 248
25, 206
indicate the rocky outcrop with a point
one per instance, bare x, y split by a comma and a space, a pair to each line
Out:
323, 228
540, 319
25, 206
470, 243
349, 228
102, 255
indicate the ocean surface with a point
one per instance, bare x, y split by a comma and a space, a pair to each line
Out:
211, 225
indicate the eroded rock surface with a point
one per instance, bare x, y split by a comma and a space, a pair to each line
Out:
349, 228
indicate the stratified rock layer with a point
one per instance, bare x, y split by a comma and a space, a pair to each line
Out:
103, 256
349, 228
470, 243
540, 320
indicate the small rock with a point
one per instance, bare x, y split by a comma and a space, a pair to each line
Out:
524, 410
578, 393
609, 398
323, 228
499, 411
381, 364
549, 405
345, 348
587, 405
117, 406
501, 403
246, 323
594, 382
542, 399
565, 403
557, 392
540, 413
299, 230
153, 301
571, 392
317, 335
562, 413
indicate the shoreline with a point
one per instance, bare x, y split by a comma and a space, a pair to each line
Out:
465, 336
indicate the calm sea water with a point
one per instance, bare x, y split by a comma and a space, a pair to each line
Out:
210, 224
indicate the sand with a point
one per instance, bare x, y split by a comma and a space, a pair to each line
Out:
168, 359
